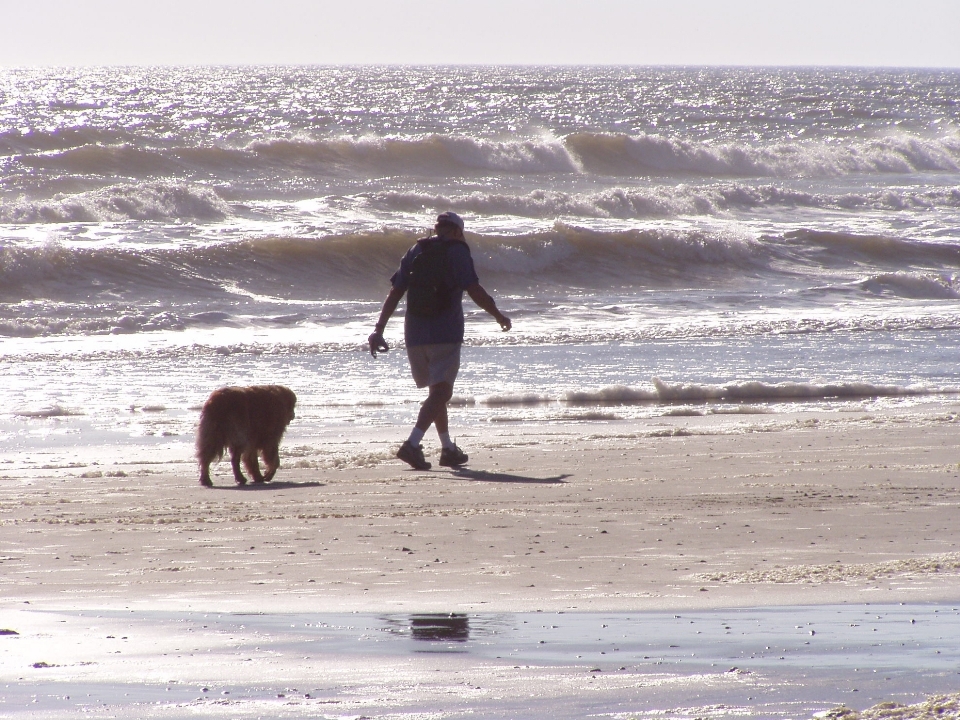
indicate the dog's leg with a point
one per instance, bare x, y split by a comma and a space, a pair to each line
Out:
271, 460
205, 459
205, 456
235, 464
252, 465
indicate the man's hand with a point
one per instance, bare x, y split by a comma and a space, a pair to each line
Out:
377, 343
482, 298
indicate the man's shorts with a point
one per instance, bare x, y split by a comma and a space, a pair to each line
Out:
432, 364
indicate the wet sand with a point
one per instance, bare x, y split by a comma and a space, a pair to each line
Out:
677, 514
750, 663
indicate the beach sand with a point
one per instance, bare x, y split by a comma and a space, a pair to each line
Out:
672, 514
684, 513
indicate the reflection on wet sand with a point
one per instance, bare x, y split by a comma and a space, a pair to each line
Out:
755, 663
440, 626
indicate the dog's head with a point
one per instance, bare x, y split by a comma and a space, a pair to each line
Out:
290, 402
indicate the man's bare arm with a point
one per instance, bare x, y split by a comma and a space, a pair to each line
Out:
482, 298
376, 341
389, 306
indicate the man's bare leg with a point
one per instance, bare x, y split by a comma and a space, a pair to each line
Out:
434, 408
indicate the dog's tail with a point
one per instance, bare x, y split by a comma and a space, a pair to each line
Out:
210, 442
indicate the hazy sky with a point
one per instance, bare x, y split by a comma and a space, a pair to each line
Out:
689, 32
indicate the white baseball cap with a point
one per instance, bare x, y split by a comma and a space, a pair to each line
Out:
450, 217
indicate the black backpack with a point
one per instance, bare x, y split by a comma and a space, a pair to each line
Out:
430, 284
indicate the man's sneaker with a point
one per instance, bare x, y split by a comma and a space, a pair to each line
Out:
451, 457
413, 456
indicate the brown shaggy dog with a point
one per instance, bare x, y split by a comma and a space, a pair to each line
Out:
248, 421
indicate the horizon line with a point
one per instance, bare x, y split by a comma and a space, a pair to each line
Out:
677, 66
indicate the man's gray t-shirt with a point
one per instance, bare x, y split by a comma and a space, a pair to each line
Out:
447, 327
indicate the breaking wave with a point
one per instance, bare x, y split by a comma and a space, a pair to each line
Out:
913, 285
747, 391
830, 248
782, 391
181, 201
429, 154
358, 265
563, 257
656, 155
615, 154
150, 201
438, 155
741, 391
663, 201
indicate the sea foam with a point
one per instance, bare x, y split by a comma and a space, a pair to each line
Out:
147, 201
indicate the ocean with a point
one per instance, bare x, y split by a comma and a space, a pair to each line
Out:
667, 241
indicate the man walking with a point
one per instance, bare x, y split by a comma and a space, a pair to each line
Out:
434, 273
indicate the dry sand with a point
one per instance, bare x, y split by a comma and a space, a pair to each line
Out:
674, 513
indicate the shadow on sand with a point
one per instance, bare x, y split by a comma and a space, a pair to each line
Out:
488, 476
272, 485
